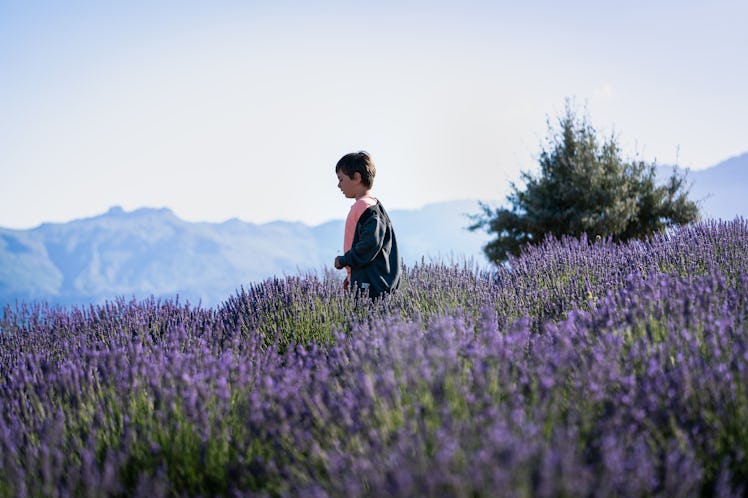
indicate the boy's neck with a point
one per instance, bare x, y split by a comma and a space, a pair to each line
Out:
366, 193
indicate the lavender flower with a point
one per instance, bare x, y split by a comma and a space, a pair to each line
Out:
581, 369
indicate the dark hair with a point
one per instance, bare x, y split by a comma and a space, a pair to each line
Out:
358, 162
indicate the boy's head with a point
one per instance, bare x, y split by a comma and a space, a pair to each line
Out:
358, 162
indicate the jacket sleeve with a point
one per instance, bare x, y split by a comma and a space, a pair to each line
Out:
370, 242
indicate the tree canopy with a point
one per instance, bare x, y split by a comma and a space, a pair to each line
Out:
585, 186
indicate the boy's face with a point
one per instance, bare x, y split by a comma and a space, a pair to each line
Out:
349, 186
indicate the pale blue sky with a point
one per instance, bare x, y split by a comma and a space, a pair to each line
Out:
241, 109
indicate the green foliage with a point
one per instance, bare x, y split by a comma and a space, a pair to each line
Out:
584, 186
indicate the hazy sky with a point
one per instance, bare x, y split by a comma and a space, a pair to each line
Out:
241, 109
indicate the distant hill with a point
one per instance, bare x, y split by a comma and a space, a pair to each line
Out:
723, 189
720, 191
152, 252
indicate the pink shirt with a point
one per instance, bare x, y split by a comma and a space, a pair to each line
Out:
357, 209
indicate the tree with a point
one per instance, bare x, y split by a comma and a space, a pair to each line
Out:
584, 187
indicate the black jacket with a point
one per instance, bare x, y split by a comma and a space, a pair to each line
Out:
373, 257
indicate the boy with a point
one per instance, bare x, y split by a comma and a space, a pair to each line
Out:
370, 249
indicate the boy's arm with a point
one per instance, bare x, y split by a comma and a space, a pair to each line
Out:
369, 243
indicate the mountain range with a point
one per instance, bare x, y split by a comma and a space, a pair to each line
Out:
722, 190
151, 252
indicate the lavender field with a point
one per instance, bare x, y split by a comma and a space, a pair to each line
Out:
579, 369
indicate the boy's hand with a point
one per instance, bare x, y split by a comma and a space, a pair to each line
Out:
337, 263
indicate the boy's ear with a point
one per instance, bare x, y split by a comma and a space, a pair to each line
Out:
356, 177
